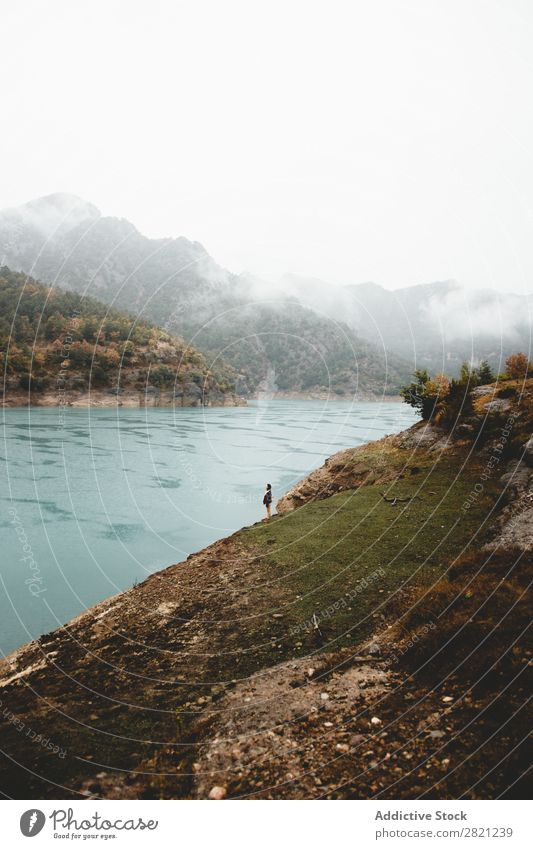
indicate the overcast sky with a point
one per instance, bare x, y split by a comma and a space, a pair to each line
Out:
352, 141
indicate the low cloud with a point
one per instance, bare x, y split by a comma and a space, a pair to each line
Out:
466, 314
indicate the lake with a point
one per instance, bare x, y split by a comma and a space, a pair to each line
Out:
100, 499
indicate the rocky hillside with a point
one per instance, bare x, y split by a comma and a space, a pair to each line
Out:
275, 343
60, 348
370, 643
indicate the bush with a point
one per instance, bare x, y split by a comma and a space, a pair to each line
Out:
440, 397
162, 376
197, 377
128, 352
55, 327
99, 376
456, 404
507, 392
80, 354
29, 381
89, 328
108, 359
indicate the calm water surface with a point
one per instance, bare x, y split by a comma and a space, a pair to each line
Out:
92, 506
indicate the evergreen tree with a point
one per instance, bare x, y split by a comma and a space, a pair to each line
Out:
485, 373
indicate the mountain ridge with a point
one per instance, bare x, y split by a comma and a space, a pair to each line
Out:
176, 284
436, 325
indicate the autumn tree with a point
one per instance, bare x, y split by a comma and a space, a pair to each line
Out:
442, 384
517, 366
55, 326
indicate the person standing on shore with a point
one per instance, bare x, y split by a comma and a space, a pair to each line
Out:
267, 500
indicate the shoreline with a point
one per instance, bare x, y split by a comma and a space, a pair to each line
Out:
84, 402
133, 400
215, 680
332, 396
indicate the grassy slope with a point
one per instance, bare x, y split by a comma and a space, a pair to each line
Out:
225, 627
323, 550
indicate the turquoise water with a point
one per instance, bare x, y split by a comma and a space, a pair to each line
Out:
93, 505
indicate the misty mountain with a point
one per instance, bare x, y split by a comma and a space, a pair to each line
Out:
276, 343
435, 326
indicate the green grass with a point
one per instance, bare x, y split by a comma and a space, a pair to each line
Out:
323, 551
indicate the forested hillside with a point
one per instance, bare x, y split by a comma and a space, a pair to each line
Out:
61, 347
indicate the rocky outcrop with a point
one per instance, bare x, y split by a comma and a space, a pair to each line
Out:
356, 467
341, 471
124, 398
515, 522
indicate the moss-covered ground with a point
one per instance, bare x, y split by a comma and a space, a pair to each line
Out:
344, 559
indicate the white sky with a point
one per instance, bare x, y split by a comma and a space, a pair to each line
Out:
363, 140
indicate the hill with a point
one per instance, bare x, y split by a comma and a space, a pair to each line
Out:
60, 348
368, 642
275, 343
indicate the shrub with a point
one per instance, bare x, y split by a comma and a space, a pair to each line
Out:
456, 404
507, 392
29, 381
99, 376
108, 359
162, 376
25, 380
128, 351
89, 328
440, 397
197, 377
80, 354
